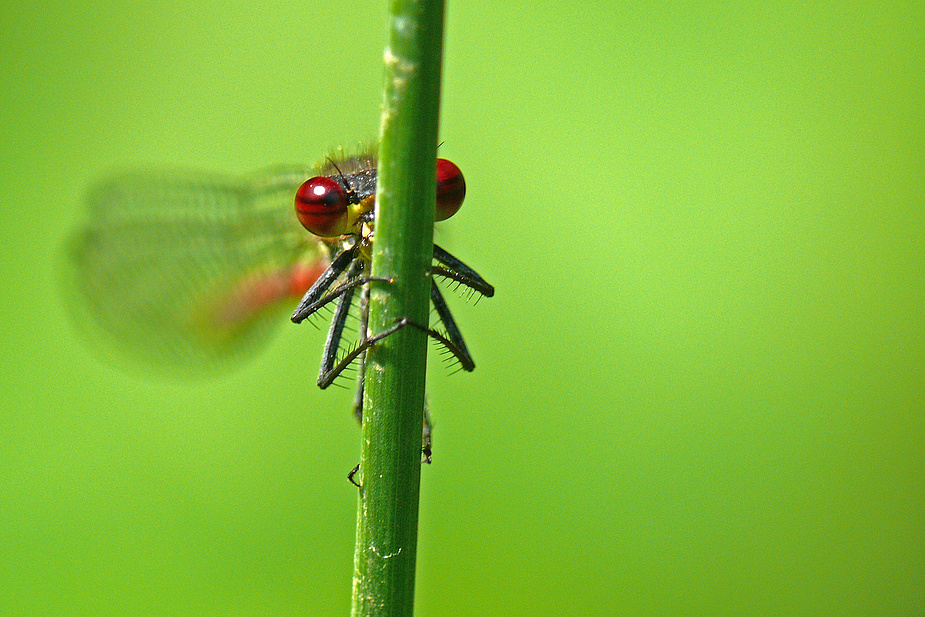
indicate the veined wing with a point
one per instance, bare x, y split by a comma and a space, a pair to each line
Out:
183, 269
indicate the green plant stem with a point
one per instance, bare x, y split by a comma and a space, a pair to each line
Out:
393, 407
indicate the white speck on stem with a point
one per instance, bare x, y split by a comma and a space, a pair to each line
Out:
375, 552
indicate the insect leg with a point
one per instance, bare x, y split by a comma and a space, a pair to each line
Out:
452, 330
310, 300
460, 272
426, 439
332, 344
361, 373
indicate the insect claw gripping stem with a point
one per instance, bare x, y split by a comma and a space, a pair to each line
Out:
426, 448
352, 473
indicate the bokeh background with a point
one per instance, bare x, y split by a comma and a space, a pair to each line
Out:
699, 386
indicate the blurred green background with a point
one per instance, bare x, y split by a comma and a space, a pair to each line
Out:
699, 386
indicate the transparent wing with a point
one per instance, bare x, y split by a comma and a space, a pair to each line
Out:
184, 270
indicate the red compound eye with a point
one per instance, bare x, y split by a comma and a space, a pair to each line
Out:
321, 205
451, 189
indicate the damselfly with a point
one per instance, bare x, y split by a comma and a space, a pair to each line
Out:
184, 269
340, 204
